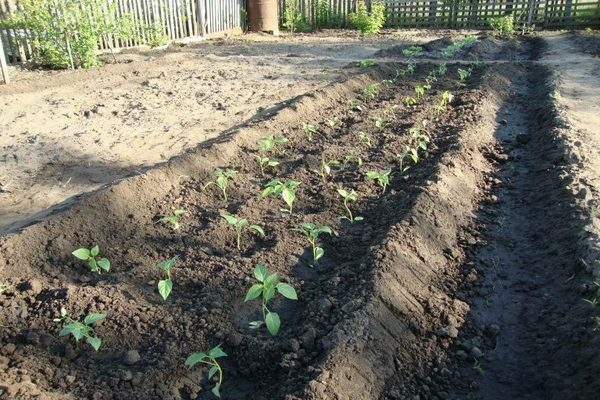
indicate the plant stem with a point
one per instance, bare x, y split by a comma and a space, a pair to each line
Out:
347, 209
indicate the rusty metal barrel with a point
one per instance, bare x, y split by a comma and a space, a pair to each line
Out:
262, 16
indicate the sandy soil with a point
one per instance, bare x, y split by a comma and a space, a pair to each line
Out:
578, 96
65, 133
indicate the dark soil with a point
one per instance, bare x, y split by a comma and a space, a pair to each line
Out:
382, 315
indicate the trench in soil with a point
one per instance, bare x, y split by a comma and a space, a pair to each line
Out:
369, 315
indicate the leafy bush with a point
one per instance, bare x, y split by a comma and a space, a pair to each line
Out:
293, 20
67, 36
503, 26
368, 22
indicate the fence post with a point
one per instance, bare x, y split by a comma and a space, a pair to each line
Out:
3, 65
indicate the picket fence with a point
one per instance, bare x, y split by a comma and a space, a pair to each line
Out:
179, 19
176, 19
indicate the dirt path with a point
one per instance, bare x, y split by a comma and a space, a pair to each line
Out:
68, 132
529, 334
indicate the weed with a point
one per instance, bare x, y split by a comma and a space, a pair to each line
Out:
366, 63
371, 91
272, 143
503, 26
368, 23
240, 224
348, 197
173, 219
209, 358
381, 177
81, 330
309, 130
90, 257
312, 232
412, 51
165, 286
267, 286
287, 191
365, 139
265, 162
222, 181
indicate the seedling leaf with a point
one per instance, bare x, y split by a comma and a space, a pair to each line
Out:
94, 341
82, 254
287, 291
273, 322
90, 319
165, 287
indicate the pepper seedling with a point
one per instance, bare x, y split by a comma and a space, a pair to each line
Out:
348, 197
81, 330
381, 177
173, 219
267, 286
210, 358
222, 181
287, 191
239, 224
409, 101
325, 168
352, 156
333, 121
442, 69
366, 63
266, 162
312, 232
419, 91
365, 139
421, 140
371, 91
464, 74
309, 130
412, 51
272, 143
165, 286
90, 257
379, 122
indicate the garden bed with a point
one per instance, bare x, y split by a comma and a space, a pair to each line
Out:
376, 316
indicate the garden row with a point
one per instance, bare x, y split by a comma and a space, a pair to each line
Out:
335, 181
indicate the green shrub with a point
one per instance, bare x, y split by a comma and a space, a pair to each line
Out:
293, 20
368, 22
67, 36
503, 26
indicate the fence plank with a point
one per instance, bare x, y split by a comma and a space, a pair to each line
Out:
3, 66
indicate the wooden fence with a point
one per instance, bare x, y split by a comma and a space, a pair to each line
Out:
175, 19
459, 13
178, 19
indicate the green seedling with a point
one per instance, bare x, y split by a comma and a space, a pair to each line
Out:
272, 143
412, 51
4, 287
209, 358
173, 219
286, 190
419, 139
409, 101
413, 153
365, 139
81, 330
431, 78
333, 121
265, 162
348, 197
366, 63
408, 70
420, 91
165, 286
325, 168
446, 98
371, 91
379, 122
312, 232
240, 224
355, 105
381, 177
268, 285
352, 156
464, 74
452, 49
90, 256
309, 130
222, 181
592, 302
442, 69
